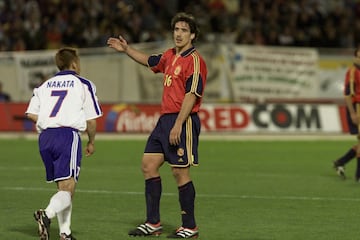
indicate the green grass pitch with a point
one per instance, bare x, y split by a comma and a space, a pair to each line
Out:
246, 190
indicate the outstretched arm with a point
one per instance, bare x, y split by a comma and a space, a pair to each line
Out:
352, 110
121, 45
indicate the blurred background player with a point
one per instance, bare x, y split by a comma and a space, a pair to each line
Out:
176, 135
352, 100
4, 97
61, 107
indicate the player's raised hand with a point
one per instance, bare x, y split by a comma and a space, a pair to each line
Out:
119, 44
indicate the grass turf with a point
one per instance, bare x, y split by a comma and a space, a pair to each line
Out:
246, 190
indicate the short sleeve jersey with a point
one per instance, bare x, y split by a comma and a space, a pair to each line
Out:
182, 74
352, 83
65, 100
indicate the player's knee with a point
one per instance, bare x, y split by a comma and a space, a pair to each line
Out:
181, 175
150, 165
67, 185
145, 168
149, 169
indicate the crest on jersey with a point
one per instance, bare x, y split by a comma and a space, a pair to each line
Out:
177, 70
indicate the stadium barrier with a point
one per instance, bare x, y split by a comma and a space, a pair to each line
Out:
250, 89
236, 73
267, 118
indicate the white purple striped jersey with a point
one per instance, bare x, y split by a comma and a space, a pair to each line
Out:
65, 100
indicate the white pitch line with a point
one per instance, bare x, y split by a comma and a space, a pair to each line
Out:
223, 196
20, 168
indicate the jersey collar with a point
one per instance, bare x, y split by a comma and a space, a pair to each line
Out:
187, 52
65, 72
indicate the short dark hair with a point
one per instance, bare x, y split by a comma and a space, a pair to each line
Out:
189, 19
65, 56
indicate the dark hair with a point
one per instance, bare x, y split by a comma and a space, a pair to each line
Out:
65, 56
189, 19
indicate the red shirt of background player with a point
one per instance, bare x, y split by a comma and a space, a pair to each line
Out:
352, 83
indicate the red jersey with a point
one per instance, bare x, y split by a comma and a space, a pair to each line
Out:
352, 83
182, 74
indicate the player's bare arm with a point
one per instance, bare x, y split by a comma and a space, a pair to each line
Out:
351, 109
91, 131
186, 107
121, 45
32, 117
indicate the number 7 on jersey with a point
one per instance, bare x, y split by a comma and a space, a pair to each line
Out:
61, 94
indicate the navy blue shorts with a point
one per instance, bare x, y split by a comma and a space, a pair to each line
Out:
60, 150
186, 153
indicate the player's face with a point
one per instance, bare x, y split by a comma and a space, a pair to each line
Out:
182, 35
358, 54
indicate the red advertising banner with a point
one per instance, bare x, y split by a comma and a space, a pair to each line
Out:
12, 117
139, 118
136, 118
250, 118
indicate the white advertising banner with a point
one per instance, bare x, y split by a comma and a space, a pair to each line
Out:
332, 71
236, 73
271, 118
32, 69
261, 73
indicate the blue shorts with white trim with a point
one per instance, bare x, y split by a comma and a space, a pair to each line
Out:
60, 150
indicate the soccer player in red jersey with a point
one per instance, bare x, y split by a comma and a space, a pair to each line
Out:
352, 100
176, 135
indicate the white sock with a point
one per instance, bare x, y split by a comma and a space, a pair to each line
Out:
58, 202
64, 220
